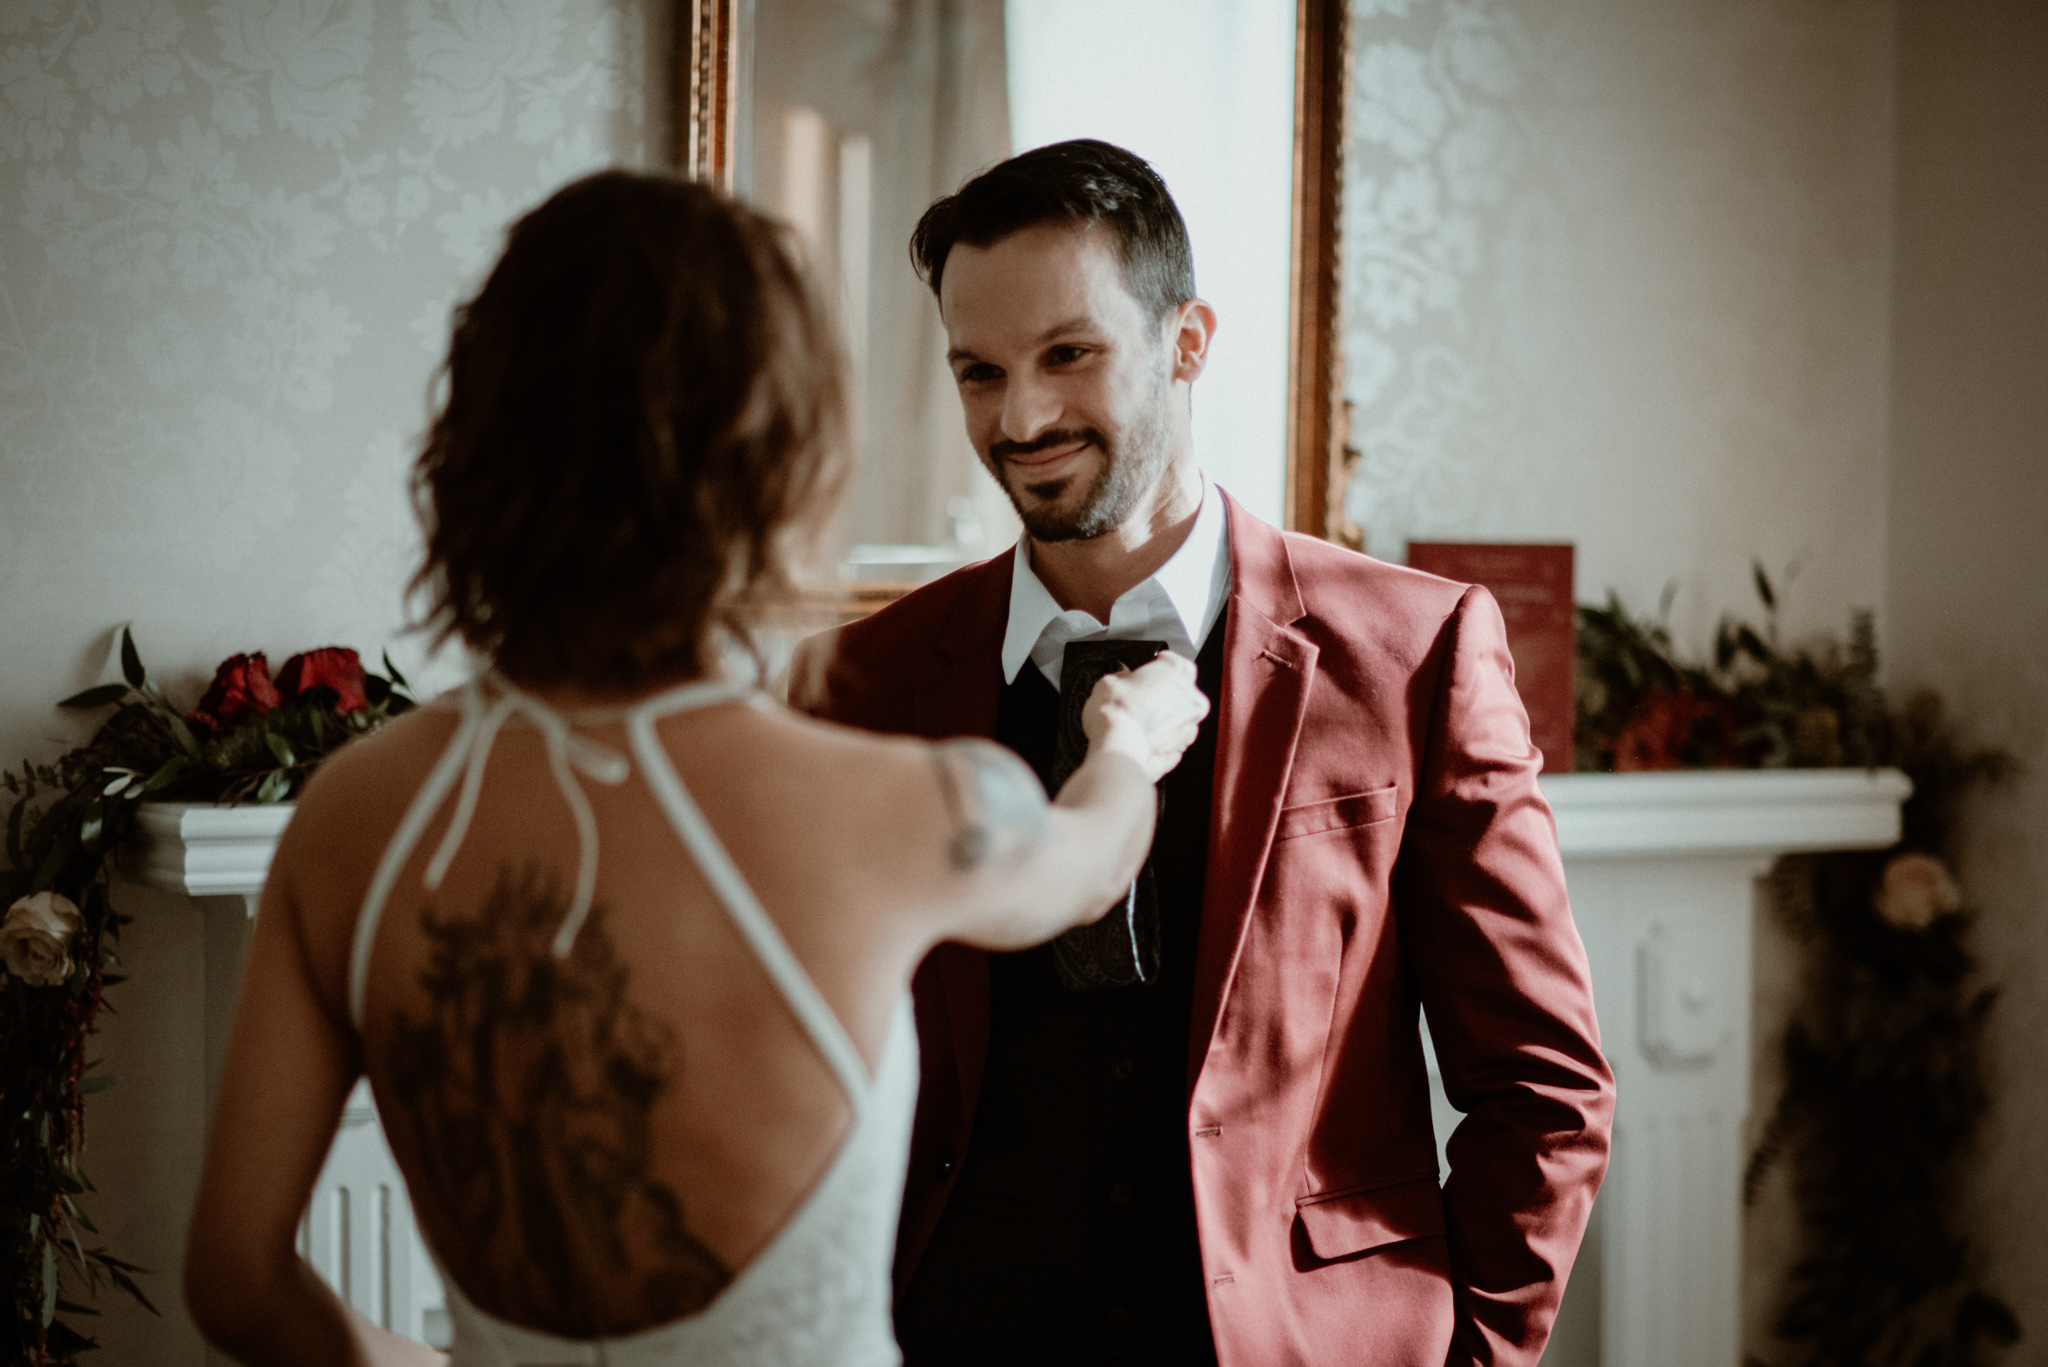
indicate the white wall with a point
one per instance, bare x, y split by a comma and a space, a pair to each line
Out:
1204, 90
1617, 273
1969, 534
230, 234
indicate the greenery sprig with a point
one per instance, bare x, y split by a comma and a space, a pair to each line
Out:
250, 739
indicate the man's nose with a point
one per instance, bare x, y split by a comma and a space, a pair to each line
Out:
1030, 407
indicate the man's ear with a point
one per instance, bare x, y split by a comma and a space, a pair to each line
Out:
1189, 332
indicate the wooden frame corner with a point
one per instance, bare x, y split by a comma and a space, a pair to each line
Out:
706, 70
1315, 440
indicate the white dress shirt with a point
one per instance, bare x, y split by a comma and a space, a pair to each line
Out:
1178, 604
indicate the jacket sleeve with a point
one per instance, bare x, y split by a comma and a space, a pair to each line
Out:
1502, 976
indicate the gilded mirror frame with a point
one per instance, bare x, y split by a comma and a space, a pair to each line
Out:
706, 85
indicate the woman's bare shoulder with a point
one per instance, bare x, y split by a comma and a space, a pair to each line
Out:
845, 768
382, 768
351, 805
934, 809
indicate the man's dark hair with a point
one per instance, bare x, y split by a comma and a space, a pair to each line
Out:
1084, 182
642, 402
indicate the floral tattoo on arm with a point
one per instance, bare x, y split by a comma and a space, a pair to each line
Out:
995, 805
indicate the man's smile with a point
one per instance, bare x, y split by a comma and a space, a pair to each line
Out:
1038, 465
1052, 456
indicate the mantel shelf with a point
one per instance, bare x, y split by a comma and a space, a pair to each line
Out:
209, 851
204, 850
1759, 812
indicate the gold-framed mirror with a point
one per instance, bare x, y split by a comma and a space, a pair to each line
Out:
714, 90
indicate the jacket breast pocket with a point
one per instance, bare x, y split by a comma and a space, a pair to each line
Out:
1353, 1222
1338, 813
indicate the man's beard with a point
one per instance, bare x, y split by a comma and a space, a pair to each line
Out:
1131, 466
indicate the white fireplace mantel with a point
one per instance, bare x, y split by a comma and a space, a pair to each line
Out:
1662, 869
209, 851
203, 850
1764, 812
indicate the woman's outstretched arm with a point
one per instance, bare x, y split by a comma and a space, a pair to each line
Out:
1021, 869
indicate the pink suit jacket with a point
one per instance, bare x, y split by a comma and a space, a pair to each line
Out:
1377, 844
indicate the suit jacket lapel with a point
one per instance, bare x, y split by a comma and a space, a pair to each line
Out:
1268, 668
958, 696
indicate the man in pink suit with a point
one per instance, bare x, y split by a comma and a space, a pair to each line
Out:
1200, 1130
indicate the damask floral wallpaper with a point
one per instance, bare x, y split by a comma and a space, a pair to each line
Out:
1619, 274
230, 235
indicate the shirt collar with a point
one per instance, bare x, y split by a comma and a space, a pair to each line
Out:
1179, 603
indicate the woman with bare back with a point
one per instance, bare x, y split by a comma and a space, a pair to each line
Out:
623, 946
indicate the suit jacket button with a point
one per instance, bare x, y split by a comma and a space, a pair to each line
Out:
1121, 1193
942, 1166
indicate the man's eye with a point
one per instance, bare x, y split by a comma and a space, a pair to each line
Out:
978, 374
1065, 355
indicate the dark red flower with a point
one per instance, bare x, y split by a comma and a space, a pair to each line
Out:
1671, 730
335, 668
241, 689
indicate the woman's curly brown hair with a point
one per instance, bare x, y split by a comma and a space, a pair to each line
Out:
644, 405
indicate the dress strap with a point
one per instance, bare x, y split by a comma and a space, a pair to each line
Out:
465, 759
730, 886
425, 803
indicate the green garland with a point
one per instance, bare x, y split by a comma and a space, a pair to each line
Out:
250, 739
1884, 1078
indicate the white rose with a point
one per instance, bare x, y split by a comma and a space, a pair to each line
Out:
1916, 889
36, 938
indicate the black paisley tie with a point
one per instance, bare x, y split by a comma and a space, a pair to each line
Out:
1121, 949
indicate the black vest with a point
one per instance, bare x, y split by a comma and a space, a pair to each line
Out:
1070, 1233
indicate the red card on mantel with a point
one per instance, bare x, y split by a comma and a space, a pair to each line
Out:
1533, 585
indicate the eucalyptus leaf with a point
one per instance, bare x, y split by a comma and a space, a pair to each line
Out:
66, 1343
392, 670
183, 734
16, 856
61, 850
281, 748
78, 1217
169, 772
49, 1283
117, 1272
275, 785
99, 696
131, 660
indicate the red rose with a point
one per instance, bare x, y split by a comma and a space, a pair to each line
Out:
1669, 730
335, 668
241, 689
